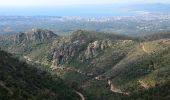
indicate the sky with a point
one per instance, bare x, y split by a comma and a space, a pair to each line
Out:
82, 7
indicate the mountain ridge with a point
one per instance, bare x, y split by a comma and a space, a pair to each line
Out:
120, 66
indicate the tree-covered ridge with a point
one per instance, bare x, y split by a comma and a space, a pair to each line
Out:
105, 66
20, 81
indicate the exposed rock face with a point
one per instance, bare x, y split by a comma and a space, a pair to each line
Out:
20, 37
62, 55
77, 46
34, 35
57, 58
95, 46
39, 34
65, 53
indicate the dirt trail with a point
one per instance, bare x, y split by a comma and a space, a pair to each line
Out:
61, 68
144, 49
27, 58
80, 94
72, 69
114, 88
30, 60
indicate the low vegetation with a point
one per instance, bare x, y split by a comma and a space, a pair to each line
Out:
96, 62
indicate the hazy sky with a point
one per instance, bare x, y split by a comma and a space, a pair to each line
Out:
73, 2
82, 7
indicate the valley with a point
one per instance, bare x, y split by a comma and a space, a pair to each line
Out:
84, 49
97, 65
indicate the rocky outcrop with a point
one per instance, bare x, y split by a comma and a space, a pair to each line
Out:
34, 35
95, 46
20, 37
65, 53
78, 46
62, 55
57, 58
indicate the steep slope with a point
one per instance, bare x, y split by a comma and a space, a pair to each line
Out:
141, 70
126, 65
20, 81
107, 66
35, 43
89, 50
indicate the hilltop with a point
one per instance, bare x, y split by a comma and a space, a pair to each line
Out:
102, 65
34, 35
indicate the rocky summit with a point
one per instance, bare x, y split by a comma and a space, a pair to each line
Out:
96, 65
34, 35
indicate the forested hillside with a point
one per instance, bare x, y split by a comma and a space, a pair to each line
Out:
21, 81
103, 66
